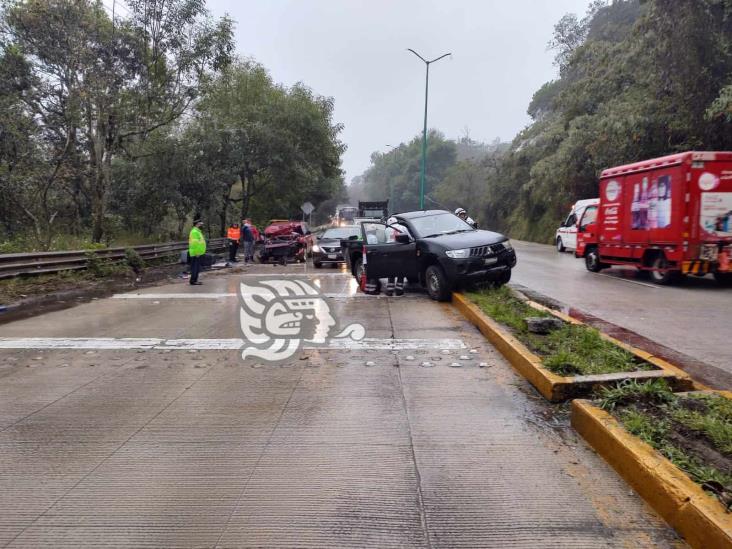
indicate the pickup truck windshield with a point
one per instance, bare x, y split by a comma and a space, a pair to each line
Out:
436, 225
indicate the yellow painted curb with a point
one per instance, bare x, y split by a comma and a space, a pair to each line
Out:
553, 387
699, 518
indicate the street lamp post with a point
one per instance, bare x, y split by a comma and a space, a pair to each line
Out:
424, 130
391, 185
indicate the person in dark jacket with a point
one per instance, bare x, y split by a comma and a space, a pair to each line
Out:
247, 237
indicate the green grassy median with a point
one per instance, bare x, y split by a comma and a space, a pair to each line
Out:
692, 430
569, 351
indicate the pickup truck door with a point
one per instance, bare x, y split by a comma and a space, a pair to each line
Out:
385, 256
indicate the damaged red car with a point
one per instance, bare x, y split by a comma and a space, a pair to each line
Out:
286, 241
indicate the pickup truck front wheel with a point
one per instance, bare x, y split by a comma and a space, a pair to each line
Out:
438, 287
503, 278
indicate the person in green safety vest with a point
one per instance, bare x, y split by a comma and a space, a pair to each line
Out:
196, 249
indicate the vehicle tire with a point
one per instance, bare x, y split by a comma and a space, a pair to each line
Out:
503, 278
592, 261
358, 269
724, 279
263, 258
662, 278
438, 287
560, 245
317, 264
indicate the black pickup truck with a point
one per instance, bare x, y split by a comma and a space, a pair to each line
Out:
433, 247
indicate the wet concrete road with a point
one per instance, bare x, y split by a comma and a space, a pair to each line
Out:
693, 317
346, 447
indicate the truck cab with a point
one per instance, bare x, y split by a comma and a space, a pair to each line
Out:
669, 217
566, 235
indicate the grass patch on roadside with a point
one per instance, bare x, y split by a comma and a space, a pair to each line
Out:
569, 351
693, 431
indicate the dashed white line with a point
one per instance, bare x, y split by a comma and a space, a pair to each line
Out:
648, 285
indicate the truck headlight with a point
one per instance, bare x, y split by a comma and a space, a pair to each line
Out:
507, 244
458, 254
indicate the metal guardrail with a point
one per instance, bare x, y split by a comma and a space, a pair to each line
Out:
12, 265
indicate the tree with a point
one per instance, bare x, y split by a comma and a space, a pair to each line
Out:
395, 175
33, 158
279, 145
112, 83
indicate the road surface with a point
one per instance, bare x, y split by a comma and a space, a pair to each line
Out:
693, 317
130, 421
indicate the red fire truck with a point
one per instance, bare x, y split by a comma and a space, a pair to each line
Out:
669, 216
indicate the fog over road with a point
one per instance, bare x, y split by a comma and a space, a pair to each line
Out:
693, 317
421, 437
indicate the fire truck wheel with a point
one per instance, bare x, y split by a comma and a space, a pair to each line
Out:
725, 279
560, 245
661, 274
592, 261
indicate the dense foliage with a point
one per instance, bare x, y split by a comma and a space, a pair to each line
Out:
636, 80
114, 126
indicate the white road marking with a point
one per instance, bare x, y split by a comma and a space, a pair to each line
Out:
127, 343
647, 284
338, 295
173, 296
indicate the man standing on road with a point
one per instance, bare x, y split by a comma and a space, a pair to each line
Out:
247, 236
233, 234
196, 249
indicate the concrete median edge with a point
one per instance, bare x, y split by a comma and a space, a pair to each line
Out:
553, 387
700, 519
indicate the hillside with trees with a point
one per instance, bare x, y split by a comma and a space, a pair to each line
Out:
636, 80
123, 126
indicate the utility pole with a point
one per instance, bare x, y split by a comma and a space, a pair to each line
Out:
391, 185
424, 130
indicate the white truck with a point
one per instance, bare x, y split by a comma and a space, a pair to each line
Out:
566, 235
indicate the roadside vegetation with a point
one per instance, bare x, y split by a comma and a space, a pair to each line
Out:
694, 431
568, 351
118, 128
637, 79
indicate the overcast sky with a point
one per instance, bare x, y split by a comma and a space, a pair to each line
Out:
355, 51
